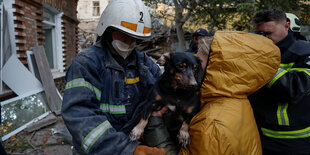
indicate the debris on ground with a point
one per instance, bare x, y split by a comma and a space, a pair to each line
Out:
48, 140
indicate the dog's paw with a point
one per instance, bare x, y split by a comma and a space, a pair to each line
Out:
135, 134
184, 138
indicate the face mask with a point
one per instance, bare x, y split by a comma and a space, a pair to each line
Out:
122, 48
205, 45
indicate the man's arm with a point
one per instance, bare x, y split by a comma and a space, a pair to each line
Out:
291, 84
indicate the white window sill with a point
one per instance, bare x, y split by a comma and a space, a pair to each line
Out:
3, 92
57, 74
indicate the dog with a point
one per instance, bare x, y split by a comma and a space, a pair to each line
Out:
177, 89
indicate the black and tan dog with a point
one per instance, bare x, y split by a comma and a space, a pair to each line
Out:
176, 89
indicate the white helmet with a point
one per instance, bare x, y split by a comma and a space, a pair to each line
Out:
130, 16
294, 22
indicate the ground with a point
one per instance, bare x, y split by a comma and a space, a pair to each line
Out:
45, 141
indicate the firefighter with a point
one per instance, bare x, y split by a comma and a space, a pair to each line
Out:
107, 83
282, 106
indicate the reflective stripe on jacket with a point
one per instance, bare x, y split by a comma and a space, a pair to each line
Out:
101, 100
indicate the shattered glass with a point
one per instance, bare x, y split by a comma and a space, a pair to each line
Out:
19, 112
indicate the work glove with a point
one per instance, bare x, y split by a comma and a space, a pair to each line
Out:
145, 150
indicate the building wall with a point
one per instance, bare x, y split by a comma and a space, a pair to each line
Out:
88, 22
29, 30
70, 37
85, 9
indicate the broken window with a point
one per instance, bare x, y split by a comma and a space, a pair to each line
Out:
53, 38
18, 112
96, 8
30, 104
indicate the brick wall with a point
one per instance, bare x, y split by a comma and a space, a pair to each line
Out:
29, 27
71, 38
29, 32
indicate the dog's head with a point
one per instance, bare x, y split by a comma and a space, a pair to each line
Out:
183, 69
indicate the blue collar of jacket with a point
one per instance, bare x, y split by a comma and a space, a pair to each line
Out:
286, 42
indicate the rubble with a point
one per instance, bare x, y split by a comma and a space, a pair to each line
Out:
50, 119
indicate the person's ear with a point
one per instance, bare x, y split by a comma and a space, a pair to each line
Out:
287, 26
163, 59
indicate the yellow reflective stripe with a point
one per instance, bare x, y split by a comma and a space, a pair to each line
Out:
113, 109
289, 65
130, 26
279, 115
280, 73
132, 80
146, 30
282, 114
305, 70
287, 122
94, 135
303, 133
81, 82
195, 54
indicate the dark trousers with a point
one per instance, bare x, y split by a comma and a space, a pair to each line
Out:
2, 151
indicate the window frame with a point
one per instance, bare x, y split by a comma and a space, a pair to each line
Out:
1, 44
95, 8
57, 38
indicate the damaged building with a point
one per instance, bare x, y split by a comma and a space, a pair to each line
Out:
38, 42
89, 12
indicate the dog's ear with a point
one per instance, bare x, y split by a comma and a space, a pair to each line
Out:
163, 59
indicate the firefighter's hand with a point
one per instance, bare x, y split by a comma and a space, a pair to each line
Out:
160, 112
145, 150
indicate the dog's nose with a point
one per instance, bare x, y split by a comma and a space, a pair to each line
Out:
193, 82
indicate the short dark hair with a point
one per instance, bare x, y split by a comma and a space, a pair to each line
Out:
275, 15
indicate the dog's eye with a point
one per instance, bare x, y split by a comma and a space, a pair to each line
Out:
195, 68
180, 66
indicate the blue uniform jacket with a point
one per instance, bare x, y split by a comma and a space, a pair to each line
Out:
282, 107
101, 100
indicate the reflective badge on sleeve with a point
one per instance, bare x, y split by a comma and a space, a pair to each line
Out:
95, 134
80, 82
113, 109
